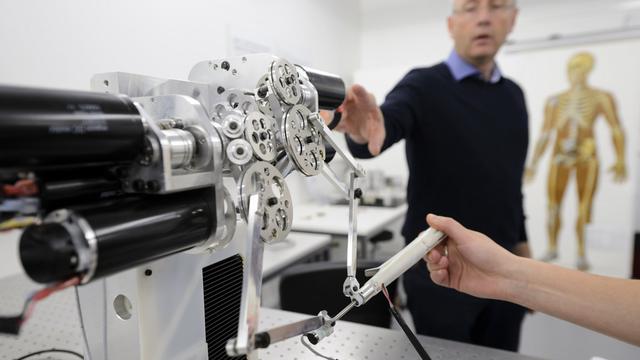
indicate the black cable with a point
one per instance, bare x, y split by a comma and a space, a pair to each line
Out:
412, 337
12, 324
337, 116
71, 352
407, 330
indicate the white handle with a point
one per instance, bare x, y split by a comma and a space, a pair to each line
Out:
401, 262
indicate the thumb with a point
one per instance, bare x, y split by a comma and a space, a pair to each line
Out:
376, 139
447, 225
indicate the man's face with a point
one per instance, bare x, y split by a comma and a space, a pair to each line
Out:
480, 27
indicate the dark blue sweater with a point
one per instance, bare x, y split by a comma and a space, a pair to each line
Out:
466, 144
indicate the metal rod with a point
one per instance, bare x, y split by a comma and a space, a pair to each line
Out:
333, 179
352, 238
343, 312
288, 331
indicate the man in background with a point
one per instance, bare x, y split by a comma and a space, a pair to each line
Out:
466, 132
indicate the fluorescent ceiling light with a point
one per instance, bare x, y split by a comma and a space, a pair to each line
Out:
629, 5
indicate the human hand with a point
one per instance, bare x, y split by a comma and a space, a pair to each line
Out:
361, 119
619, 171
469, 261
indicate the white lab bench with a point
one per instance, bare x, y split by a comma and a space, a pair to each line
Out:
334, 220
295, 248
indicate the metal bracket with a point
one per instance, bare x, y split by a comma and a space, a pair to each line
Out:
251, 284
371, 272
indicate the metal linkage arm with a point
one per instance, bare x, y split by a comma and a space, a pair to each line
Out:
251, 284
353, 193
351, 286
315, 329
317, 122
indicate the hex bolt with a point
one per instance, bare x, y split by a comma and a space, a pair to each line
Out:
153, 186
262, 91
139, 185
357, 194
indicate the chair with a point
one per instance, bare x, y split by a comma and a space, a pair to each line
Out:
310, 288
383, 236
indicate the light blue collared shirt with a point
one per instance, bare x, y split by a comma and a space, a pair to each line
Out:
461, 69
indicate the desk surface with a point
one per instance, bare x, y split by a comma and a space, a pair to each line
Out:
55, 324
294, 248
364, 342
334, 219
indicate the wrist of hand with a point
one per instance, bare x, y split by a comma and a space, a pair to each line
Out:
358, 139
512, 278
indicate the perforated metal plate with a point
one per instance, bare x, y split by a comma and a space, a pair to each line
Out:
303, 142
284, 79
362, 342
259, 131
275, 200
263, 105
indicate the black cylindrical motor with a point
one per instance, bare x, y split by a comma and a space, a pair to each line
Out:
125, 233
331, 89
43, 128
63, 189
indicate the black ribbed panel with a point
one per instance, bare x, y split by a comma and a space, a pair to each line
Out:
222, 295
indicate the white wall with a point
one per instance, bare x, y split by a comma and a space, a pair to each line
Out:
62, 43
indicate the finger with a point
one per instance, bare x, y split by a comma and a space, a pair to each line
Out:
326, 116
377, 132
436, 253
440, 277
374, 148
443, 263
359, 92
341, 127
376, 140
447, 225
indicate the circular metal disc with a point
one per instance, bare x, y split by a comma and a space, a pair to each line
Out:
303, 142
284, 79
275, 204
233, 124
260, 132
239, 152
263, 104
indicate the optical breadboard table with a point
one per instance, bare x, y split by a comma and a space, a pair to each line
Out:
55, 324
